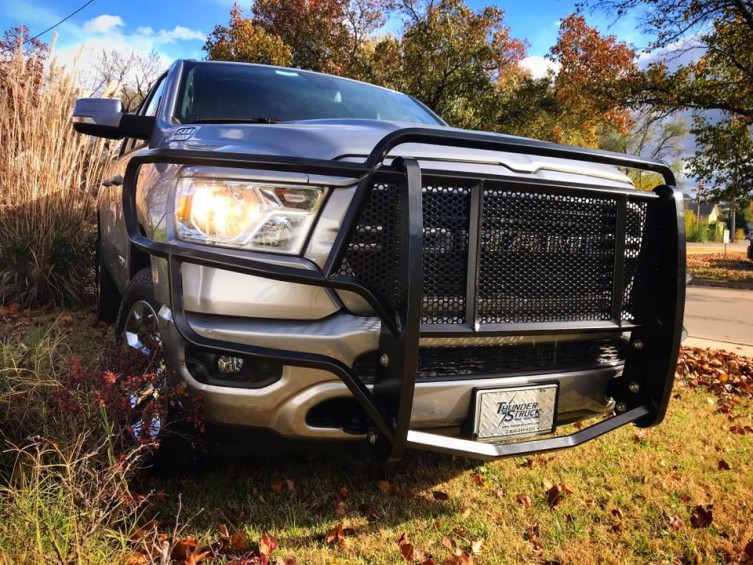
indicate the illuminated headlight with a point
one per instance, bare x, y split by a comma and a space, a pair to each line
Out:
245, 215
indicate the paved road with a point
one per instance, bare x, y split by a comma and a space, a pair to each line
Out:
720, 315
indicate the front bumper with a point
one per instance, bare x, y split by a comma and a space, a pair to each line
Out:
391, 403
284, 406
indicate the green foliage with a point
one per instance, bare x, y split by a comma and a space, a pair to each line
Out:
723, 161
462, 63
691, 225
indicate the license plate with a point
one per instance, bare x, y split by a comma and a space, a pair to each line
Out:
515, 412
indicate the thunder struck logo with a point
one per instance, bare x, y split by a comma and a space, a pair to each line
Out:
512, 412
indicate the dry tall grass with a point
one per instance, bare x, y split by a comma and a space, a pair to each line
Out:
47, 177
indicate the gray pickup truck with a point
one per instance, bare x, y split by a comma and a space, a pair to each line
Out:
327, 260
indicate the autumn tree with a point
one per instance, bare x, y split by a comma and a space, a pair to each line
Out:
717, 35
450, 57
703, 61
243, 40
590, 68
315, 30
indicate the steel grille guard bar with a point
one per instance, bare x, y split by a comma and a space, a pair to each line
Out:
651, 362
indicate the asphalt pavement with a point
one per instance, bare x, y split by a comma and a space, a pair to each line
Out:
720, 318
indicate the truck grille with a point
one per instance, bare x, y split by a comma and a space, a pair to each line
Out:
454, 362
528, 254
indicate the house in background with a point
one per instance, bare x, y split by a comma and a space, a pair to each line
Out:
705, 212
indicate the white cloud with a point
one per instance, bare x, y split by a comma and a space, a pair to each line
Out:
178, 33
539, 66
103, 24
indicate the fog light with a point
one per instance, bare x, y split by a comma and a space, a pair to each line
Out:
229, 365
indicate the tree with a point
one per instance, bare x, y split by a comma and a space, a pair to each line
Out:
315, 30
717, 34
245, 41
591, 67
451, 58
654, 135
717, 37
128, 74
724, 160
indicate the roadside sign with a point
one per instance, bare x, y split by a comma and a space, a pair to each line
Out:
726, 236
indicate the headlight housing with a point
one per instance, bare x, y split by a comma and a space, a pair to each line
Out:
245, 215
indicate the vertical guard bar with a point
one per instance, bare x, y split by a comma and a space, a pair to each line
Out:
664, 348
396, 373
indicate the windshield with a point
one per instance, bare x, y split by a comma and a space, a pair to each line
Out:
217, 92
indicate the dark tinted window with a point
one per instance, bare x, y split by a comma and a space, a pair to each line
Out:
246, 92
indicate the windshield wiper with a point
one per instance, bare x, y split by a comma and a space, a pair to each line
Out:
260, 120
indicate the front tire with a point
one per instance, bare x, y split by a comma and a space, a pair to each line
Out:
138, 325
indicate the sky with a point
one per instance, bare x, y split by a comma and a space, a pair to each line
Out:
177, 28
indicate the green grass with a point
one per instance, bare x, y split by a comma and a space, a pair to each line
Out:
625, 491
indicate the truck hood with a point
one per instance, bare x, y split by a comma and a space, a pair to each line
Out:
353, 140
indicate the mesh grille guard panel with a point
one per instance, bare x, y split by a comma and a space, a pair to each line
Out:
544, 255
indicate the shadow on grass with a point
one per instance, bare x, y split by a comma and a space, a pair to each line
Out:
241, 492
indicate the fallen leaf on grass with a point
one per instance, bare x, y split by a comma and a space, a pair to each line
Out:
479, 480
675, 523
337, 535
459, 555
267, 545
369, 513
340, 509
385, 486
524, 499
239, 541
134, 558
532, 536
277, 486
702, 517
723, 465
186, 552
465, 511
557, 494
408, 550
478, 546
439, 495
748, 551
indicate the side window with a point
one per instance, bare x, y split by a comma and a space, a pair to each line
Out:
147, 108
154, 99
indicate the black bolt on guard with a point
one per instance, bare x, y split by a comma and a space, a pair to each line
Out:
389, 402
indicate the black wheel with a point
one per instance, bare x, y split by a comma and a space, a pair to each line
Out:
108, 297
138, 326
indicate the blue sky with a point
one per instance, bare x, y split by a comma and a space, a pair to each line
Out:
176, 29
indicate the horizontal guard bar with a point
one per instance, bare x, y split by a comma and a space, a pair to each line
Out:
472, 140
489, 451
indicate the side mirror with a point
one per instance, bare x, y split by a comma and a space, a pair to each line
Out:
104, 117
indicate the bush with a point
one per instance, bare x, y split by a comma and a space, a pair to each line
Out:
71, 440
47, 173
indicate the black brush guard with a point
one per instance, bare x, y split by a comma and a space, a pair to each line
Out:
650, 362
